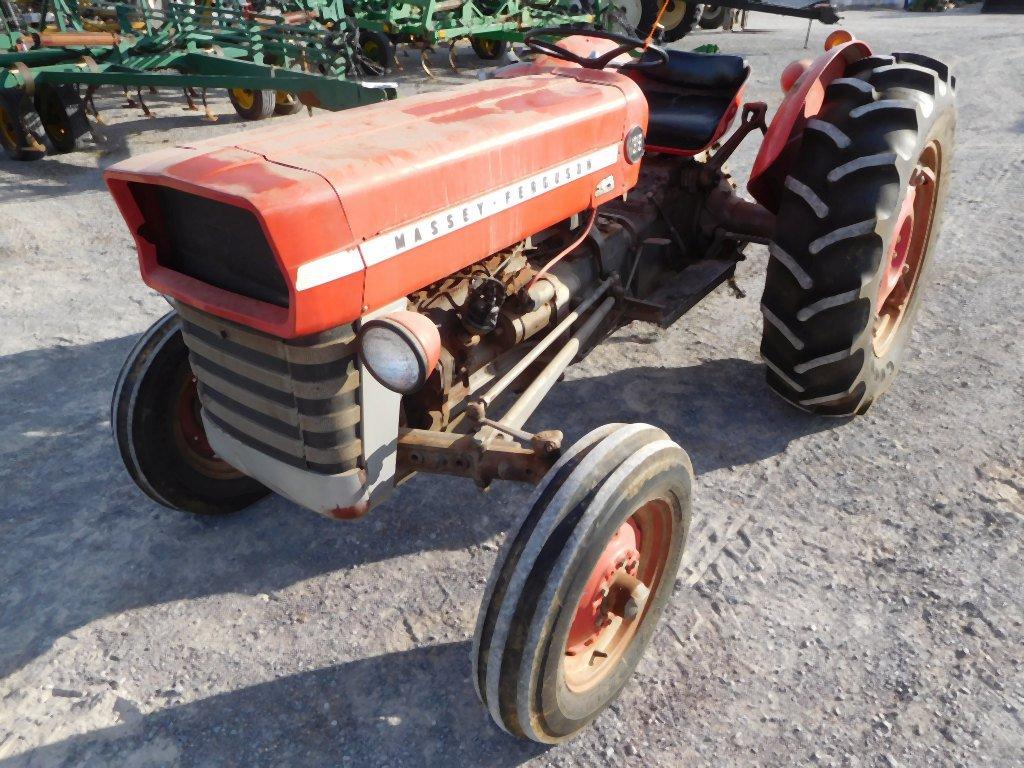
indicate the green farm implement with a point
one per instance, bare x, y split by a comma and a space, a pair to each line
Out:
490, 25
268, 63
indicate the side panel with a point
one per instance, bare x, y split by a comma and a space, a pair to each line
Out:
417, 254
802, 102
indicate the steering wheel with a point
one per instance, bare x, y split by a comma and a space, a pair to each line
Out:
626, 44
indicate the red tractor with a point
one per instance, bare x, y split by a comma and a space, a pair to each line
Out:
392, 290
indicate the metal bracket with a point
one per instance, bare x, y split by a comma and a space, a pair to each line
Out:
753, 116
447, 453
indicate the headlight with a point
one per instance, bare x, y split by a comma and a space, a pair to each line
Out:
400, 350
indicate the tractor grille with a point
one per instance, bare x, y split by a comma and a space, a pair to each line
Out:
220, 244
297, 401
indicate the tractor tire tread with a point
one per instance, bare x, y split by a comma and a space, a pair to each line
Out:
823, 270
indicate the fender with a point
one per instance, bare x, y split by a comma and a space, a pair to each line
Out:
804, 101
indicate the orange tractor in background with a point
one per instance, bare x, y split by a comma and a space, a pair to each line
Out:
392, 290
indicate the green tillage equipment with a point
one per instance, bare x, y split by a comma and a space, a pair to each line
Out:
489, 24
187, 47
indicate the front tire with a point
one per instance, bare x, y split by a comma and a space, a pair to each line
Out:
159, 432
577, 592
855, 229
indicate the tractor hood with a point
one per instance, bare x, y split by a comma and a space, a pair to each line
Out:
338, 215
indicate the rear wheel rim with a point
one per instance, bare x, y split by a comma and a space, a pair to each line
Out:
190, 435
905, 258
285, 99
614, 601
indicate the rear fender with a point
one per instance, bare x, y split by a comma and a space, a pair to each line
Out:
785, 133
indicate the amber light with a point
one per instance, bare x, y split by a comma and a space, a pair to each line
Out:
792, 73
838, 37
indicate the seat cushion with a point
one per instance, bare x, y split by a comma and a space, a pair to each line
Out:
684, 122
697, 71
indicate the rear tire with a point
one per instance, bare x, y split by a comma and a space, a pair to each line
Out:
577, 591
155, 418
253, 105
856, 225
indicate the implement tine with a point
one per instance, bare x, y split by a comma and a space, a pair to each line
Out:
209, 115
142, 103
90, 105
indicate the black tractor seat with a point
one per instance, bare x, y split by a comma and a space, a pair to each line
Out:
688, 96
696, 71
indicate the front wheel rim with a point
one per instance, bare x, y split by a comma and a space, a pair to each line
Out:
904, 260
190, 435
615, 600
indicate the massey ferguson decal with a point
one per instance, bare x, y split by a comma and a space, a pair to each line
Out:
397, 241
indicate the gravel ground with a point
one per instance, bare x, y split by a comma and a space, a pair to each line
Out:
851, 594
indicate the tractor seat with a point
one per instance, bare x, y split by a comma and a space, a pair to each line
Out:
696, 71
684, 122
688, 96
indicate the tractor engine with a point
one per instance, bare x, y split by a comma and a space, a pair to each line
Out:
342, 281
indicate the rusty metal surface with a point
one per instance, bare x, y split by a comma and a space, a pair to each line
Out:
445, 453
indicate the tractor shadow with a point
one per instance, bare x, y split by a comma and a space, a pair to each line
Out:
720, 411
81, 542
414, 708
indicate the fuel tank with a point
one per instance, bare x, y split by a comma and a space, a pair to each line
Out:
344, 213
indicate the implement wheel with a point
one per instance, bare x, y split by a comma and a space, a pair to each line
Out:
577, 592
19, 142
286, 103
637, 17
63, 116
855, 230
488, 48
376, 52
679, 19
713, 16
253, 105
158, 428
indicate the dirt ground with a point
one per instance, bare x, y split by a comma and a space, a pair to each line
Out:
852, 593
